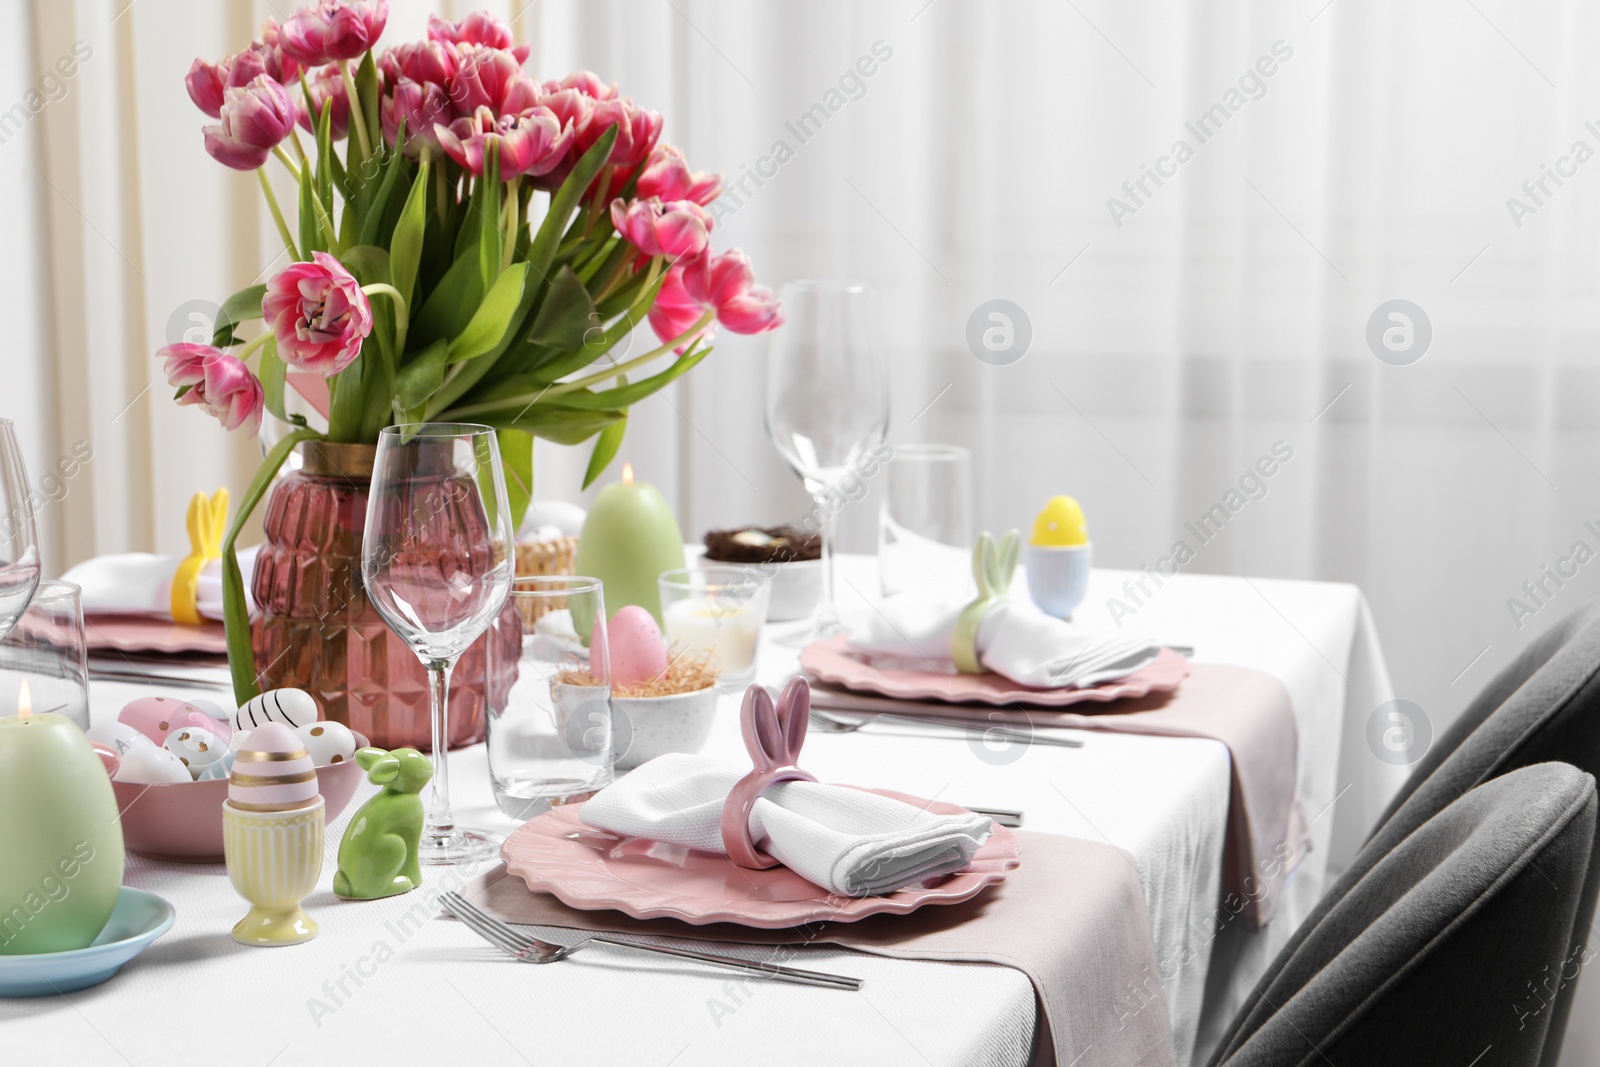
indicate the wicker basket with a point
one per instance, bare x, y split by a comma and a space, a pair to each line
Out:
553, 555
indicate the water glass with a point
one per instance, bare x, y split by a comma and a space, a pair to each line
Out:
551, 743
925, 524
719, 610
46, 652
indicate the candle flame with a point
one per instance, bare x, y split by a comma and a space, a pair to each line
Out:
24, 700
627, 474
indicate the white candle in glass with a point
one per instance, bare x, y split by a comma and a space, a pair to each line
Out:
728, 626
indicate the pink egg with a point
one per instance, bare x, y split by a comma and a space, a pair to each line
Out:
638, 651
156, 717
272, 771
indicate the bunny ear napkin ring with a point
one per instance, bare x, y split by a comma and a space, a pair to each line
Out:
993, 564
774, 734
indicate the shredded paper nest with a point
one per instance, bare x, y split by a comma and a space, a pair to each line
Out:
687, 672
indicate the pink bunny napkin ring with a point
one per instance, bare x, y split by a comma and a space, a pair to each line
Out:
774, 735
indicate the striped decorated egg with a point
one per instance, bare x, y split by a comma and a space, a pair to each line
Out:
292, 707
272, 771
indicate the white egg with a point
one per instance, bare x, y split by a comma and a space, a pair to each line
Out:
292, 707
328, 742
149, 765
118, 737
197, 748
217, 769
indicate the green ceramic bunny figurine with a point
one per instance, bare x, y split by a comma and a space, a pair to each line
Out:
378, 856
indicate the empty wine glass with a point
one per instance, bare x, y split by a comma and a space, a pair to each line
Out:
437, 561
19, 533
827, 406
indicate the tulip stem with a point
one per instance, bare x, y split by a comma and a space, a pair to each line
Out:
299, 149
253, 344
277, 214
358, 121
283, 157
513, 215
401, 318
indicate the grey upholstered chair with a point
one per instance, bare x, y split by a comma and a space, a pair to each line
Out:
1434, 955
1544, 706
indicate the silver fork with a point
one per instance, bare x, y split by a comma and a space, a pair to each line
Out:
532, 950
835, 724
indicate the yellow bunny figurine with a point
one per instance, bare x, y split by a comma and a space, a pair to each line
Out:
208, 522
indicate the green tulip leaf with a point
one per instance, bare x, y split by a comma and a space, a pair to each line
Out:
624, 396
450, 306
420, 377
493, 317
566, 315
272, 371
516, 457
563, 426
240, 307
606, 446
405, 248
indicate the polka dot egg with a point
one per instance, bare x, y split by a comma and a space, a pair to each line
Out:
197, 748
272, 771
328, 742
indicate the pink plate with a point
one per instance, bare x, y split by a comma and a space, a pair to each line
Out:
594, 870
831, 661
137, 633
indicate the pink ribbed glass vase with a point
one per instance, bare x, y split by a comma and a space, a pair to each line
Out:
316, 630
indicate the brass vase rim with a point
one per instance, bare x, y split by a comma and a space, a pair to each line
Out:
338, 459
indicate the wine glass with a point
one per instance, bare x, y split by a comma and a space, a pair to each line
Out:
827, 405
437, 561
19, 533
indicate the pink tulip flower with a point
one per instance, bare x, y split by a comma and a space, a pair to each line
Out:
427, 62
667, 176
319, 315
637, 131
217, 382
484, 78
206, 81
477, 28
333, 30
255, 118
678, 229
674, 311
727, 283
586, 82
421, 106
326, 84
529, 142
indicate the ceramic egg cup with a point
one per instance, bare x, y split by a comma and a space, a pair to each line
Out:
1058, 576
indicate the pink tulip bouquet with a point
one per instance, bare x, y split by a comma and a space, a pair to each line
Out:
477, 251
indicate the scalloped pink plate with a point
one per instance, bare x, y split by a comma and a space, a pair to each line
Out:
831, 661
137, 633
594, 870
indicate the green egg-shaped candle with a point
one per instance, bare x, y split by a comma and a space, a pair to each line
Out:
60, 837
629, 538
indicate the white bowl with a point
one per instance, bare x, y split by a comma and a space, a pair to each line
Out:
643, 728
1058, 576
796, 586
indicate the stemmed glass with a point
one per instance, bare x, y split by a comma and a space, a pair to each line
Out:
437, 560
19, 533
827, 405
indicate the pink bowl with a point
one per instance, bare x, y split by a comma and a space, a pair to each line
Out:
182, 821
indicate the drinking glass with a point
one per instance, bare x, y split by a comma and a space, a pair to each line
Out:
925, 522
437, 562
716, 609
47, 650
827, 406
19, 533
551, 743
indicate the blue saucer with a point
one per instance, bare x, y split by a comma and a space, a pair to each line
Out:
138, 919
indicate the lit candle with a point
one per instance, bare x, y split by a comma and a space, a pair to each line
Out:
629, 538
729, 628
60, 838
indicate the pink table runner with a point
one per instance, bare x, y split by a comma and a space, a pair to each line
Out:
1072, 918
1245, 709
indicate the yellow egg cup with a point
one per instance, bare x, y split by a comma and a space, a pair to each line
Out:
274, 861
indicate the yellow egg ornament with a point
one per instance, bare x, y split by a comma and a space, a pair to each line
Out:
1060, 523
1059, 557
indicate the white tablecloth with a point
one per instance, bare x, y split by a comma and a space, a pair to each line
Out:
388, 978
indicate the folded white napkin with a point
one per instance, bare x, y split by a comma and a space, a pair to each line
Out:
848, 841
910, 631
140, 583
